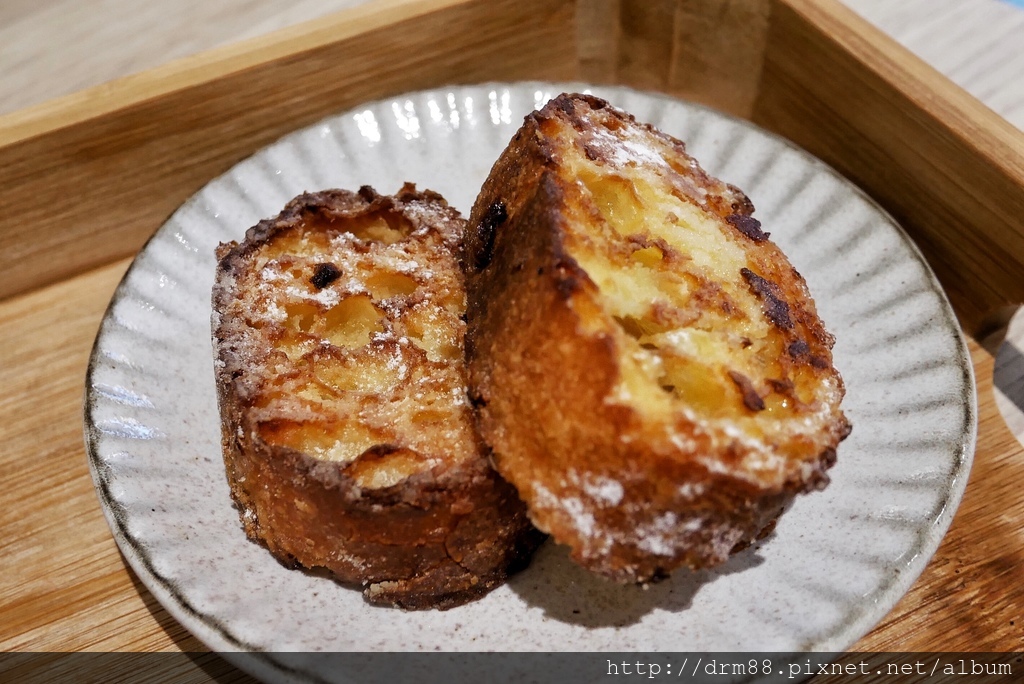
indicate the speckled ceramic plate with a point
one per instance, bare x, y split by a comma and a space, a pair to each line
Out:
838, 561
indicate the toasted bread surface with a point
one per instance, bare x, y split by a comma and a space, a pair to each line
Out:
648, 367
348, 440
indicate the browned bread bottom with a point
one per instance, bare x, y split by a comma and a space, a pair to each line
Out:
648, 368
348, 440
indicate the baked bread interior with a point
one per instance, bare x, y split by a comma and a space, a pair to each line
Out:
348, 439
647, 366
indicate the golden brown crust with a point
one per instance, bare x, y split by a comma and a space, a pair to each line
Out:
648, 368
347, 440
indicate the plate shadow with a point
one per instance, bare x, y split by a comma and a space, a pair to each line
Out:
568, 593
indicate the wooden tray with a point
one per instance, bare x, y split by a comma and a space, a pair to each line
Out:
85, 179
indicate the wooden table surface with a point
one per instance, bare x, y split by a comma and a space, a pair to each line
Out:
64, 584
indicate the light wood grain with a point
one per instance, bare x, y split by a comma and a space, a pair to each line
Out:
102, 169
970, 595
943, 164
598, 32
102, 40
706, 51
645, 46
976, 44
86, 178
719, 46
949, 169
66, 587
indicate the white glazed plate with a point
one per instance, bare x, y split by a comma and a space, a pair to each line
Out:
838, 561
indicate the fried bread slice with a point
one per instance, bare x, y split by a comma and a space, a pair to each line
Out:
348, 439
647, 366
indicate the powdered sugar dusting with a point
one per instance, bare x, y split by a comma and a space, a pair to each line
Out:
583, 520
661, 535
603, 489
623, 151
